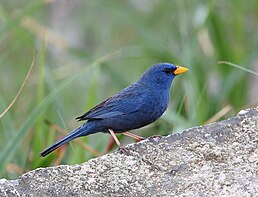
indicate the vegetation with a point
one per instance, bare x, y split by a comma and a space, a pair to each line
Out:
89, 50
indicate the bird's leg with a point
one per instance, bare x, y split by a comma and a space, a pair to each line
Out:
126, 152
137, 137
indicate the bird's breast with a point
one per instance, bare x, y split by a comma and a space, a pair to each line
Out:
156, 105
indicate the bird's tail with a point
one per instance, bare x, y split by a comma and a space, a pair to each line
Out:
80, 131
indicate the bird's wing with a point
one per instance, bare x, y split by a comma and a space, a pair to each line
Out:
125, 102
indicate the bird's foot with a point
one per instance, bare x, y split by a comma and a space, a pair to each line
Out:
124, 150
155, 136
141, 138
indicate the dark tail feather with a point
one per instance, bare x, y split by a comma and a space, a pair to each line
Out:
80, 131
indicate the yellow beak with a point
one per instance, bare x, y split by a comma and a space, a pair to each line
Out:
180, 70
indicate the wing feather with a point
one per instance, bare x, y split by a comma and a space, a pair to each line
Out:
125, 102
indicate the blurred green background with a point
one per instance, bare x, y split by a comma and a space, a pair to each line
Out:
89, 50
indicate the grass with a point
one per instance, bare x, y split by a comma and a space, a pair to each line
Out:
88, 51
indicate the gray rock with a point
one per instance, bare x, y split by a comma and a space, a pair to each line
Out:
219, 159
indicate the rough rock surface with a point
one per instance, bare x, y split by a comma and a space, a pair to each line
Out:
219, 159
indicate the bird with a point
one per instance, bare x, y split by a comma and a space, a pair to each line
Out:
137, 105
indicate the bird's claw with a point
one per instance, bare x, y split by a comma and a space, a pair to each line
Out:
124, 150
140, 139
155, 136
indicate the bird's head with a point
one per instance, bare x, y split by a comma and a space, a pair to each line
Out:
161, 75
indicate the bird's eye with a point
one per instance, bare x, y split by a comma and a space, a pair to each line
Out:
167, 70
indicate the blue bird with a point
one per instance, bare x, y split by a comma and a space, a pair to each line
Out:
136, 106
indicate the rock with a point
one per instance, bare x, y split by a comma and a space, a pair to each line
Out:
219, 159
